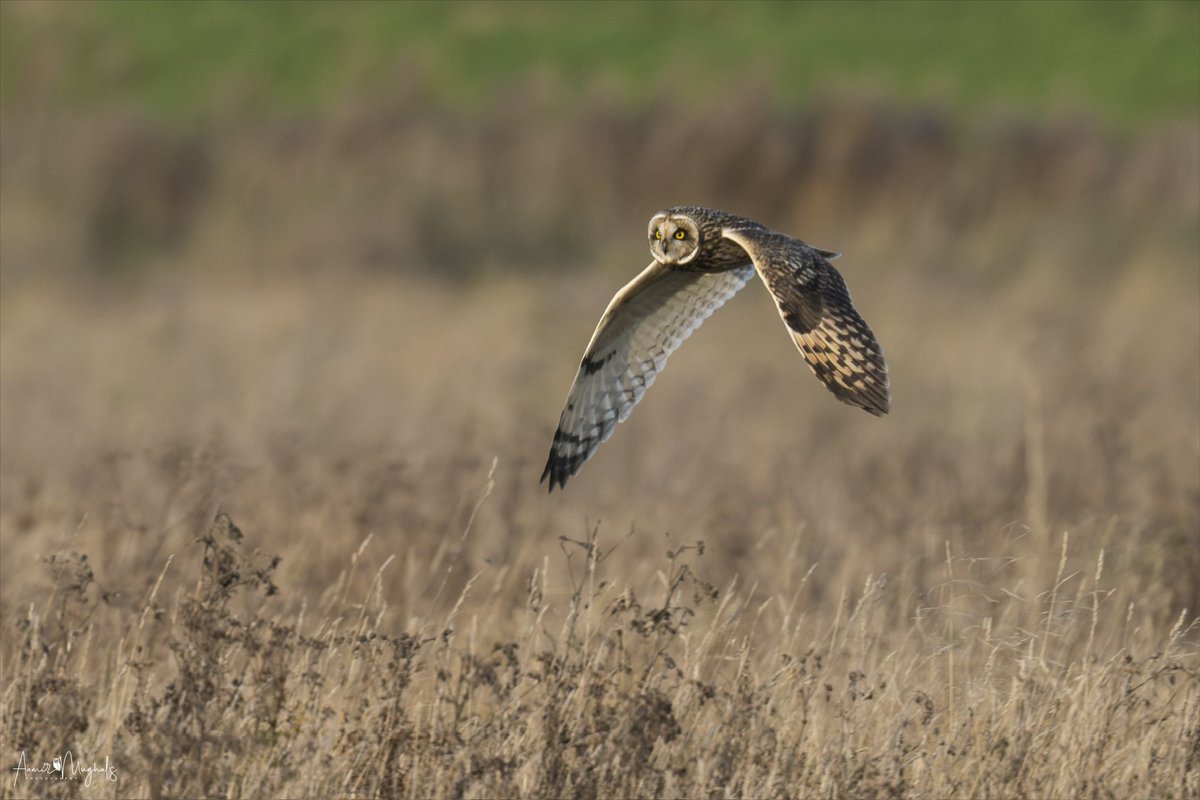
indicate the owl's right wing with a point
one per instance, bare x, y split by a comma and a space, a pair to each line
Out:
814, 303
645, 322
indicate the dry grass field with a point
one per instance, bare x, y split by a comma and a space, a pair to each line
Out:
273, 539
275, 397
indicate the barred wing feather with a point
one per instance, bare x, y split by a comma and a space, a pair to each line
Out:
813, 301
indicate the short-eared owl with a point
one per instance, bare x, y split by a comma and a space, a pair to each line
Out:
702, 258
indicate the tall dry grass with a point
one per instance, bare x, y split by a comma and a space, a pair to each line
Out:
750, 591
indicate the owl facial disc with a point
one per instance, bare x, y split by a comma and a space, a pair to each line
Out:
674, 239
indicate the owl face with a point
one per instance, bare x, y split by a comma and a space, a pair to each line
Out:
674, 238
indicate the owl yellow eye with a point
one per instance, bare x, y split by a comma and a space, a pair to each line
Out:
658, 234
680, 234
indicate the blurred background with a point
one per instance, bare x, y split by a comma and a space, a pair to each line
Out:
324, 265
474, 139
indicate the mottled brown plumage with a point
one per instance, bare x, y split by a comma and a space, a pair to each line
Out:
702, 258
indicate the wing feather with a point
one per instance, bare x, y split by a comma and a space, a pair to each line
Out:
645, 322
814, 303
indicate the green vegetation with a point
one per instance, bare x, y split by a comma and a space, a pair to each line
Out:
1129, 61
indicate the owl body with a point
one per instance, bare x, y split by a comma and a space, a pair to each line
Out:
702, 257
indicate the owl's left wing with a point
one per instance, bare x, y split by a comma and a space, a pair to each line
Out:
645, 322
815, 305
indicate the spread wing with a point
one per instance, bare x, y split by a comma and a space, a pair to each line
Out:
815, 305
646, 321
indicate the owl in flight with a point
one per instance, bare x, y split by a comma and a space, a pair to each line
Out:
702, 258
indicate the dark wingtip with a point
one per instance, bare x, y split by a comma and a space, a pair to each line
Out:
556, 472
876, 404
871, 398
561, 467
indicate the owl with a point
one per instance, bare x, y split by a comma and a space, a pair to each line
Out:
702, 257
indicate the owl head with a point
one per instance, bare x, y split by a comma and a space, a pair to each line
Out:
675, 238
